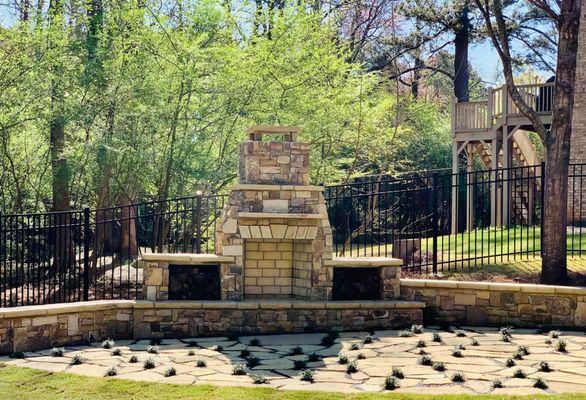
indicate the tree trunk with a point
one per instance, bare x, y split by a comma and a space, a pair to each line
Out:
554, 265
461, 41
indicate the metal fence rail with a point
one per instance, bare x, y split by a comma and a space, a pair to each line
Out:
435, 222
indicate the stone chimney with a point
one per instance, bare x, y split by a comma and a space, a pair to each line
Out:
275, 223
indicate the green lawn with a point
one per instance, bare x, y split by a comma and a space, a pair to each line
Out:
23, 383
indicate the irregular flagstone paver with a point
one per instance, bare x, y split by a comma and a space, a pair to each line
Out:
481, 364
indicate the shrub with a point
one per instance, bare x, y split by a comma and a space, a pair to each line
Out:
458, 377
77, 360
117, 351
561, 346
355, 346
518, 356
238, 369
327, 341
460, 333
510, 362
17, 354
108, 344
497, 383
460, 347
361, 356
421, 343
307, 375
244, 353
457, 352
554, 334
439, 366
474, 342
133, 359
544, 367
296, 351
417, 329
437, 337
191, 353
352, 367
367, 339
258, 379
506, 331
523, 350
397, 373
201, 363
252, 362
255, 342
547, 341
313, 357
390, 383
171, 371
505, 338
540, 383
405, 334
149, 363
298, 365
343, 359
152, 349
112, 371
57, 351
519, 373
425, 360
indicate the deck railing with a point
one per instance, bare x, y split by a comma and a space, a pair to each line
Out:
483, 115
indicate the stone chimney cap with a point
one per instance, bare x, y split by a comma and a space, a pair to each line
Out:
289, 133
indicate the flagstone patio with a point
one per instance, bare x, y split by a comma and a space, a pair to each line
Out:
483, 361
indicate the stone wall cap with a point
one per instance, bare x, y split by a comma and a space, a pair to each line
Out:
495, 286
187, 258
53, 309
253, 186
273, 215
364, 262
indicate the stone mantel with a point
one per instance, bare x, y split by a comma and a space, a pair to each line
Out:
187, 259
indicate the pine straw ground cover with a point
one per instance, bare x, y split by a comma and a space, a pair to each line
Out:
24, 384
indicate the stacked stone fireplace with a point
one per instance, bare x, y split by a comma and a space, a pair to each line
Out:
275, 224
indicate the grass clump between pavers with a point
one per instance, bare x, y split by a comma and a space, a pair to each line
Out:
255, 342
259, 378
474, 342
439, 366
108, 344
116, 351
497, 383
519, 373
368, 339
77, 360
562, 346
457, 352
405, 334
458, 377
171, 371
437, 338
540, 383
307, 375
191, 353
425, 360
361, 356
544, 367
355, 346
201, 363
149, 363
244, 353
313, 357
416, 329
252, 362
112, 371
343, 359
327, 341
510, 362
460, 333
421, 343
554, 334
524, 350
390, 383
238, 369
57, 352
133, 359
397, 373
352, 367
152, 349
299, 365
296, 351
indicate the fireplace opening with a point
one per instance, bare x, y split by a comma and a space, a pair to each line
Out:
356, 283
189, 282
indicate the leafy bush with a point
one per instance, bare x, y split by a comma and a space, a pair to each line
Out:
307, 375
352, 367
108, 344
343, 359
354, 346
524, 350
191, 353
77, 360
171, 371
458, 377
540, 383
244, 353
519, 373
405, 334
390, 383
201, 363
554, 334
510, 362
561, 346
421, 343
417, 329
397, 373
133, 359
112, 371
460, 333
149, 363
152, 349
238, 369
497, 383
544, 367
439, 366
367, 339
117, 351
361, 356
57, 351
457, 352
437, 338
258, 378
474, 342
425, 360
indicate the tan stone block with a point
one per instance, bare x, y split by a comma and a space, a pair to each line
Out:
244, 232
254, 255
278, 231
253, 290
233, 250
464, 299
44, 321
285, 246
267, 263
287, 255
254, 272
249, 281
284, 160
275, 206
267, 246
272, 255
580, 316
301, 232
269, 272
283, 281
250, 245
283, 264
251, 263
271, 289
230, 226
291, 232
265, 231
265, 281
255, 232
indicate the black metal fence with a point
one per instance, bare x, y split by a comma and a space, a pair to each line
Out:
434, 222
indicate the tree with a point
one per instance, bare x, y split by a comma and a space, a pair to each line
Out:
556, 139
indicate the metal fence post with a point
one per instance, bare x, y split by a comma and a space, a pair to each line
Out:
198, 223
542, 211
86, 253
434, 218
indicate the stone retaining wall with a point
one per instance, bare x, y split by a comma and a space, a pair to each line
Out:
499, 304
41, 327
